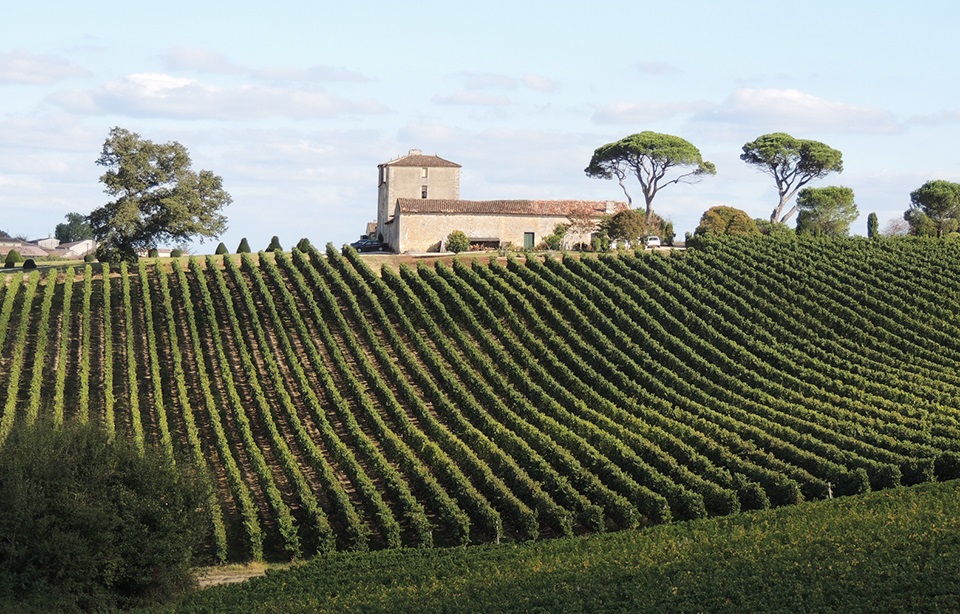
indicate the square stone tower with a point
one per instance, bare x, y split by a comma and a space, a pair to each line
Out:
414, 176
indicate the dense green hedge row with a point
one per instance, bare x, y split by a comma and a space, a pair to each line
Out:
341, 408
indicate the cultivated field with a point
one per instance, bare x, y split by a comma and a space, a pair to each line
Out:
338, 409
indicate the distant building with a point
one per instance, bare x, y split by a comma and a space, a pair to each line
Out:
419, 205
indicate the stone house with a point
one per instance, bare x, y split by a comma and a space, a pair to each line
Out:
419, 205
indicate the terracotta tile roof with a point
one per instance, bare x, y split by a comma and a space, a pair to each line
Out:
418, 159
594, 208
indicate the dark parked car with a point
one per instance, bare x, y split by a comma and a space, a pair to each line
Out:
370, 245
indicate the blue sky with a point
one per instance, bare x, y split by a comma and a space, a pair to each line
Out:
294, 104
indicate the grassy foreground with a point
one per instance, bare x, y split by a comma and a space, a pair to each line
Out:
891, 551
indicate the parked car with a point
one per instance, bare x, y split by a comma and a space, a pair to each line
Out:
370, 245
653, 241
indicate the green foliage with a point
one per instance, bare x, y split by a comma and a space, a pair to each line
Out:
159, 198
650, 157
90, 258
777, 230
554, 240
176, 252
792, 163
76, 228
873, 226
244, 247
724, 220
633, 225
934, 209
826, 211
88, 523
457, 242
13, 257
153, 252
221, 249
29, 263
872, 553
304, 245
274, 245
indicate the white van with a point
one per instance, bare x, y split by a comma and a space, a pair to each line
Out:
653, 242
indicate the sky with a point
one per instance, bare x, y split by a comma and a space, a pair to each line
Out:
295, 103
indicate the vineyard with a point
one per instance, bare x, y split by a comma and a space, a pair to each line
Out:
341, 408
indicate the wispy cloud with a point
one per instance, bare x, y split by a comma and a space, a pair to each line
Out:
167, 96
790, 109
473, 98
199, 60
25, 67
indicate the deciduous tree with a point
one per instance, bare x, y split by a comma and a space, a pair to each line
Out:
793, 163
76, 228
656, 160
724, 220
158, 197
934, 208
826, 211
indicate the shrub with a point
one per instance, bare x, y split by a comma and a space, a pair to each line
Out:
90, 524
13, 257
244, 247
153, 252
176, 252
274, 245
29, 263
304, 245
457, 242
90, 258
221, 249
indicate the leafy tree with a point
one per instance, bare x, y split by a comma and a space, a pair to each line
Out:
934, 208
777, 230
793, 163
724, 220
457, 242
153, 252
555, 239
158, 197
244, 247
13, 257
221, 249
873, 226
274, 245
88, 523
826, 211
650, 157
76, 228
176, 252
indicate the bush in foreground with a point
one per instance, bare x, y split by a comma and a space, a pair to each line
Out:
457, 242
90, 524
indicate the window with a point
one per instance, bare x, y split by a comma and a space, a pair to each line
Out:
423, 191
423, 172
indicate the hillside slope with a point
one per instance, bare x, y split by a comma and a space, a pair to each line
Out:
482, 402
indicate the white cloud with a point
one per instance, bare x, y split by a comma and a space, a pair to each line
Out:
472, 98
200, 60
24, 67
313, 73
634, 113
167, 96
540, 83
793, 110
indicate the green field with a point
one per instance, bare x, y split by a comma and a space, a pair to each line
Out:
893, 551
344, 409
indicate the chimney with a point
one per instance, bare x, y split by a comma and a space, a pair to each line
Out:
415, 152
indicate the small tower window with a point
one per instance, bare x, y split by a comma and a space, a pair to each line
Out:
423, 191
423, 172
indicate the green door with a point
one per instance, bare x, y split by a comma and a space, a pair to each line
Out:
528, 240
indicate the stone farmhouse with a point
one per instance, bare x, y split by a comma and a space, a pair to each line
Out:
419, 205
48, 247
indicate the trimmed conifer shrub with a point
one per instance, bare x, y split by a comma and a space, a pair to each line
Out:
274, 245
221, 249
304, 245
13, 257
29, 263
244, 247
457, 242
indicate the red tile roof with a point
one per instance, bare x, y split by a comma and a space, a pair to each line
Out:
418, 159
594, 208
